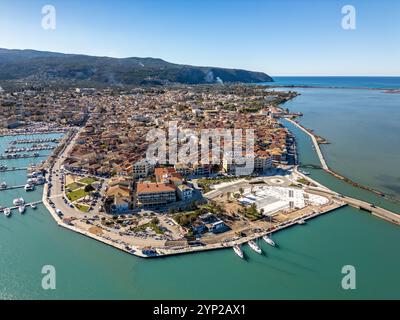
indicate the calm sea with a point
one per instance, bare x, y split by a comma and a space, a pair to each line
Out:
339, 82
307, 264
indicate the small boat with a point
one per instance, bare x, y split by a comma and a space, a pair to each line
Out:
3, 185
40, 180
238, 250
254, 247
7, 212
29, 187
33, 206
268, 240
21, 209
19, 202
301, 222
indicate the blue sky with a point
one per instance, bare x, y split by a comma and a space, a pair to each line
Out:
279, 37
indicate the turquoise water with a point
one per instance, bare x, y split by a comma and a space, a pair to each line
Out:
363, 127
339, 82
306, 265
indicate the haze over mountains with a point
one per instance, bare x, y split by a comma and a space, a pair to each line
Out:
53, 67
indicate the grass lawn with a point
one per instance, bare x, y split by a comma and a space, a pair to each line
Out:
77, 194
82, 207
73, 186
143, 228
87, 180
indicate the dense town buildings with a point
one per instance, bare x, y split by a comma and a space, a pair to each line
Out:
113, 140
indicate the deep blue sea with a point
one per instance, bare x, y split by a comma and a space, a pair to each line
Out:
339, 82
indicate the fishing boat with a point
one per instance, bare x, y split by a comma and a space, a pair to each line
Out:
254, 247
268, 240
19, 202
301, 221
3, 185
7, 212
238, 250
33, 206
21, 209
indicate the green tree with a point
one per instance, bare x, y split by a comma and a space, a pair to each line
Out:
89, 188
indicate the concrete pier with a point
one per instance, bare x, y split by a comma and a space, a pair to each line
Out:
13, 187
26, 205
315, 142
13, 169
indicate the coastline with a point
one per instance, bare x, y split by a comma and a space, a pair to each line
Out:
163, 252
385, 90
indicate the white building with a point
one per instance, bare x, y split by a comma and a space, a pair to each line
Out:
142, 169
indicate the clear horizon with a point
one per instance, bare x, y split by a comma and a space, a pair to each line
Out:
280, 38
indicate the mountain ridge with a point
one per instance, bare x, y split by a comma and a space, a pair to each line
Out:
45, 66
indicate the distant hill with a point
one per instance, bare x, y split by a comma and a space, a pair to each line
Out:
41, 66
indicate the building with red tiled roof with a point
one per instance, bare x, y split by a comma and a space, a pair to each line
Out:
154, 194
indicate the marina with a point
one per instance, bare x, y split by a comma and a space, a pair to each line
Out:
11, 187
5, 169
25, 132
20, 207
31, 141
29, 149
21, 156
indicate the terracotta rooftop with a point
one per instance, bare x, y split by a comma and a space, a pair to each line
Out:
154, 187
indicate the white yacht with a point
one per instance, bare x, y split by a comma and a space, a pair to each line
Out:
7, 212
40, 180
238, 251
33, 206
29, 187
19, 202
268, 240
254, 247
21, 209
3, 185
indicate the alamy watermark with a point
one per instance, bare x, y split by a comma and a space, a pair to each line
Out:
349, 280
189, 147
49, 17
349, 17
49, 279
